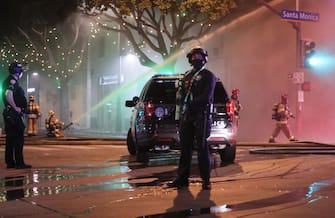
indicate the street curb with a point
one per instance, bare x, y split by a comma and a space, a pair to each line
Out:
89, 140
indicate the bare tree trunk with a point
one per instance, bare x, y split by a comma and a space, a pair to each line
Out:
65, 113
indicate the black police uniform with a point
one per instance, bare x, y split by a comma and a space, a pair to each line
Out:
14, 125
195, 123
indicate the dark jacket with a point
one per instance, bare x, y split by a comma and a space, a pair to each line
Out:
202, 90
18, 93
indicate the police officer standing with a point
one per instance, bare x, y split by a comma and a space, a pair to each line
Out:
196, 96
15, 104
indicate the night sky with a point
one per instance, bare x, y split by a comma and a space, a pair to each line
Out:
28, 13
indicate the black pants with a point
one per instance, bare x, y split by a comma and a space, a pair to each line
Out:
192, 133
14, 141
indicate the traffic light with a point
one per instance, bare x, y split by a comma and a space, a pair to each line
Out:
310, 59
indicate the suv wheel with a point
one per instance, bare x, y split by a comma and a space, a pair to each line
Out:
131, 144
228, 154
142, 155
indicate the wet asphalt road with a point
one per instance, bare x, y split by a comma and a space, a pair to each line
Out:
97, 178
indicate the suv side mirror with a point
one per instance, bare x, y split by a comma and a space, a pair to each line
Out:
132, 103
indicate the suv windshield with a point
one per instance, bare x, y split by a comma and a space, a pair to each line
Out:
220, 94
162, 91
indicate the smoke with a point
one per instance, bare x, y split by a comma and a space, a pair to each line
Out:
258, 52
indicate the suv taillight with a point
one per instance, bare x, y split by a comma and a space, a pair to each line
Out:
230, 108
149, 109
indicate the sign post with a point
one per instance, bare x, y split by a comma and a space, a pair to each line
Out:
298, 66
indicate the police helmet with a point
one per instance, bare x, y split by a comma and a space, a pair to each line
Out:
197, 50
15, 67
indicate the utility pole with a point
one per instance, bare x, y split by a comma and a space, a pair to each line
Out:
88, 83
300, 92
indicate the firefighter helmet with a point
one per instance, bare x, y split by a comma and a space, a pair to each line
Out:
284, 99
197, 50
235, 91
51, 112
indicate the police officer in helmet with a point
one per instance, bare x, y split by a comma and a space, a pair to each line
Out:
15, 104
196, 97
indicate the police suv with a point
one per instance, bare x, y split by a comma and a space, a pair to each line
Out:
154, 125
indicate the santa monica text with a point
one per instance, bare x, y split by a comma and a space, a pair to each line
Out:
300, 15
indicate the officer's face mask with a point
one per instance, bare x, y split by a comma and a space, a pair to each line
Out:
20, 75
197, 64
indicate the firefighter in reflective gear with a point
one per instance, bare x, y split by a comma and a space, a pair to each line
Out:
33, 113
195, 97
237, 104
53, 125
281, 114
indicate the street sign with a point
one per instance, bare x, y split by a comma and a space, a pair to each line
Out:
300, 96
300, 15
297, 77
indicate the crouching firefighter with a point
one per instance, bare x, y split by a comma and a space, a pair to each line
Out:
196, 98
54, 126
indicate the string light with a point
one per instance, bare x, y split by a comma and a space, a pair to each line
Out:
29, 54
8, 51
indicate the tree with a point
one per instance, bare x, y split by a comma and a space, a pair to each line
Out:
41, 32
57, 52
163, 26
45, 34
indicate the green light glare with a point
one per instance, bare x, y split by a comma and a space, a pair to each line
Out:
322, 63
140, 79
119, 92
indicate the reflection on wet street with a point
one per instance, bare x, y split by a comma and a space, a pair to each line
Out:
250, 205
255, 184
14, 187
33, 181
42, 181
